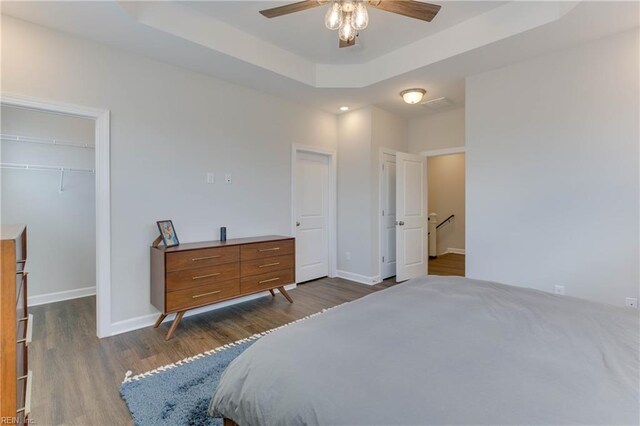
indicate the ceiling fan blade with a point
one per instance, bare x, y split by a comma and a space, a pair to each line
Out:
410, 8
291, 8
349, 43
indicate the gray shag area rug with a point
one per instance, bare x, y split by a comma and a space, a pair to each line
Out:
179, 393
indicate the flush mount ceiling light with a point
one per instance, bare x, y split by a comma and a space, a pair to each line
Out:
344, 108
351, 16
413, 96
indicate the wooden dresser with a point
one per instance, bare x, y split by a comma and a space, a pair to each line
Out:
15, 327
192, 275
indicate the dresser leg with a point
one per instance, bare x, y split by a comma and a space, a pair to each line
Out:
285, 294
272, 293
157, 324
174, 325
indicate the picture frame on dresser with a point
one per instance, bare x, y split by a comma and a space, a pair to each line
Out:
168, 233
194, 275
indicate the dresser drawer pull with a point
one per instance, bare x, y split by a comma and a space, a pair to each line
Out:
195, 259
269, 264
27, 396
270, 249
29, 335
268, 281
206, 294
199, 277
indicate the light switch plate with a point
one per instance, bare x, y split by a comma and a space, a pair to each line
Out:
211, 177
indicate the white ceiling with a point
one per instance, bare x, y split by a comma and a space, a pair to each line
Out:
194, 40
304, 33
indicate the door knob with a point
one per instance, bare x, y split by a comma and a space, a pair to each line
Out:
401, 223
297, 223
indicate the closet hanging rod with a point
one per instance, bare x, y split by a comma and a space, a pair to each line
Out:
43, 141
17, 166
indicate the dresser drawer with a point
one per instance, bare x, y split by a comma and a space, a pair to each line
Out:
267, 281
202, 295
265, 250
268, 264
202, 258
188, 278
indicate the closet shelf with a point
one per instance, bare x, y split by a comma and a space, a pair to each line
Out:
43, 141
45, 168
61, 170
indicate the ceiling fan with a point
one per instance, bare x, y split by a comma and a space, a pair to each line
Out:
351, 16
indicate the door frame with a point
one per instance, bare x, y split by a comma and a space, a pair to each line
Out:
381, 153
103, 192
332, 155
444, 151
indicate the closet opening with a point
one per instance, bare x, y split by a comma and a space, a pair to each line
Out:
48, 183
28, 148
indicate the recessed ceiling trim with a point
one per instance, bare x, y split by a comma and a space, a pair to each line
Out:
502, 22
191, 25
497, 24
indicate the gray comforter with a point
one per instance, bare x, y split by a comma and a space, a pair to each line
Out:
442, 350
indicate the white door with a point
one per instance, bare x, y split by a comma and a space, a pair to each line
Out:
312, 216
411, 216
388, 221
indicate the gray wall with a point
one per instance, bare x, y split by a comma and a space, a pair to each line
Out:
61, 226
552, 171
355, 192
437, 131
169, 127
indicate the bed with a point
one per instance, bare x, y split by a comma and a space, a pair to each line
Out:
442, 350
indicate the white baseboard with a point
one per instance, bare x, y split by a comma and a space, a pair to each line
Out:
362, 279
42, 299
454, 251
148, 320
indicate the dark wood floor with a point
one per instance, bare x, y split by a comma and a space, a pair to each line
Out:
447, 264
77, 376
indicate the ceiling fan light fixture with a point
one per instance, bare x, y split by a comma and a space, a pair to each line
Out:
360, 16
348, 6
334, 19
346, 31
413, 96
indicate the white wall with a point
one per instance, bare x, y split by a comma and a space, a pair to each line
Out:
169, 126
437, 131
361, 134
552, 171
61, 226
355, 192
